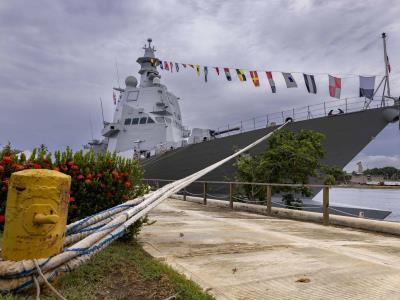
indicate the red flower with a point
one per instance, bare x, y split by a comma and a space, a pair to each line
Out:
89, 176
80, 177
74, 167
37, 166
7, 159
19, 167
114, 174
98, 175
56, 169
88, 181
71, 199
125, 197
2, 219
1, 169
74, 206
127, 184
70, 163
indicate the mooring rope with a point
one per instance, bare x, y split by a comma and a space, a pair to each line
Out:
92, 234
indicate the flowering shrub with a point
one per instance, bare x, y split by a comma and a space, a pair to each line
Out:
97, 181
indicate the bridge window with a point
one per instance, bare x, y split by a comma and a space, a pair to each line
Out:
150, 120
160, 119
135, 121
143, 120
132, 96
128, 121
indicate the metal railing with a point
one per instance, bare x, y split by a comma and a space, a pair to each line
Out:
342, 106
232, 195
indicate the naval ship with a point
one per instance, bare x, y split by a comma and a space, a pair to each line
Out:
148, 125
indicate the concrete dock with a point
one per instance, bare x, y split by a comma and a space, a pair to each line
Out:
239, 255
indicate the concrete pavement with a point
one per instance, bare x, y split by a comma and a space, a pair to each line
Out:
239, 255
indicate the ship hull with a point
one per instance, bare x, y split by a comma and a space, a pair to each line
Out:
345, 136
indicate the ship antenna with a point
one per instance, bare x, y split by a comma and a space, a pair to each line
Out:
91, 127
102, 112
116, 70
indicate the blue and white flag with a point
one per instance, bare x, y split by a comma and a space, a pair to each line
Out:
205, 73
310, 83
367, 85
290, 82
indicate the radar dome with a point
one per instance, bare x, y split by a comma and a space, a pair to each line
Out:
131, 81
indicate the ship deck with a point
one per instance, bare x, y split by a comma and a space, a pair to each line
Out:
238, 255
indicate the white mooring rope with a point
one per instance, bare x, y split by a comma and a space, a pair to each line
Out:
90, 235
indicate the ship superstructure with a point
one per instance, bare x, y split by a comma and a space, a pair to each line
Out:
147, 119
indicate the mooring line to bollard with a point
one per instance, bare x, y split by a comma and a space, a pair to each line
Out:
15, 276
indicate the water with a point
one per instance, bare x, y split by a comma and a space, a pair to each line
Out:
365, 198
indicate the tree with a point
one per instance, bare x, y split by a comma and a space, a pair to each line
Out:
291, 158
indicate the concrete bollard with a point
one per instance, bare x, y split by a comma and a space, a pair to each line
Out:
36, 214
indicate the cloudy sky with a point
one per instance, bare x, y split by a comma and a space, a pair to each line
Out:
58, 59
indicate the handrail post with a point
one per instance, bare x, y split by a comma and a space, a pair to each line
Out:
231, 189
325, 109
184, 194
325, 205
269, 200
158, 184
205, 193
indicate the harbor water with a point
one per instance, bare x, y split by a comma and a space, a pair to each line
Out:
365, 198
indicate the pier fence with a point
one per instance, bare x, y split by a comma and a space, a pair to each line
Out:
229, 191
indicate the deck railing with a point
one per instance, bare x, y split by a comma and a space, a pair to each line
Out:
342, 106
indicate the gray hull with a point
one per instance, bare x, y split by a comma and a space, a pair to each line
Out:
345, 136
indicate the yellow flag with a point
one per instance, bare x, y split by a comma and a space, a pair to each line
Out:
241, 75
198, 70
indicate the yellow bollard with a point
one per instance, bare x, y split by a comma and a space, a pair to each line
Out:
36, 214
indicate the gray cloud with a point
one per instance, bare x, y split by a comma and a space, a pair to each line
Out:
58, 58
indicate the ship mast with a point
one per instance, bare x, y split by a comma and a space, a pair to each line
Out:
148, 66
385, 59
385, 78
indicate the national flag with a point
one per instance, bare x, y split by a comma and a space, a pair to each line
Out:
205, 73
241, 75
114, 98
166, 65
171, 66
289, 80
310, 83
198, 70
388, 64
271, 81
335, 86
367, 85
192, 66
184, 65
217, 70
254, 77
227, 74
177, 67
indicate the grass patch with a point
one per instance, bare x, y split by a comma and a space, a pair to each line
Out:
123, 271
